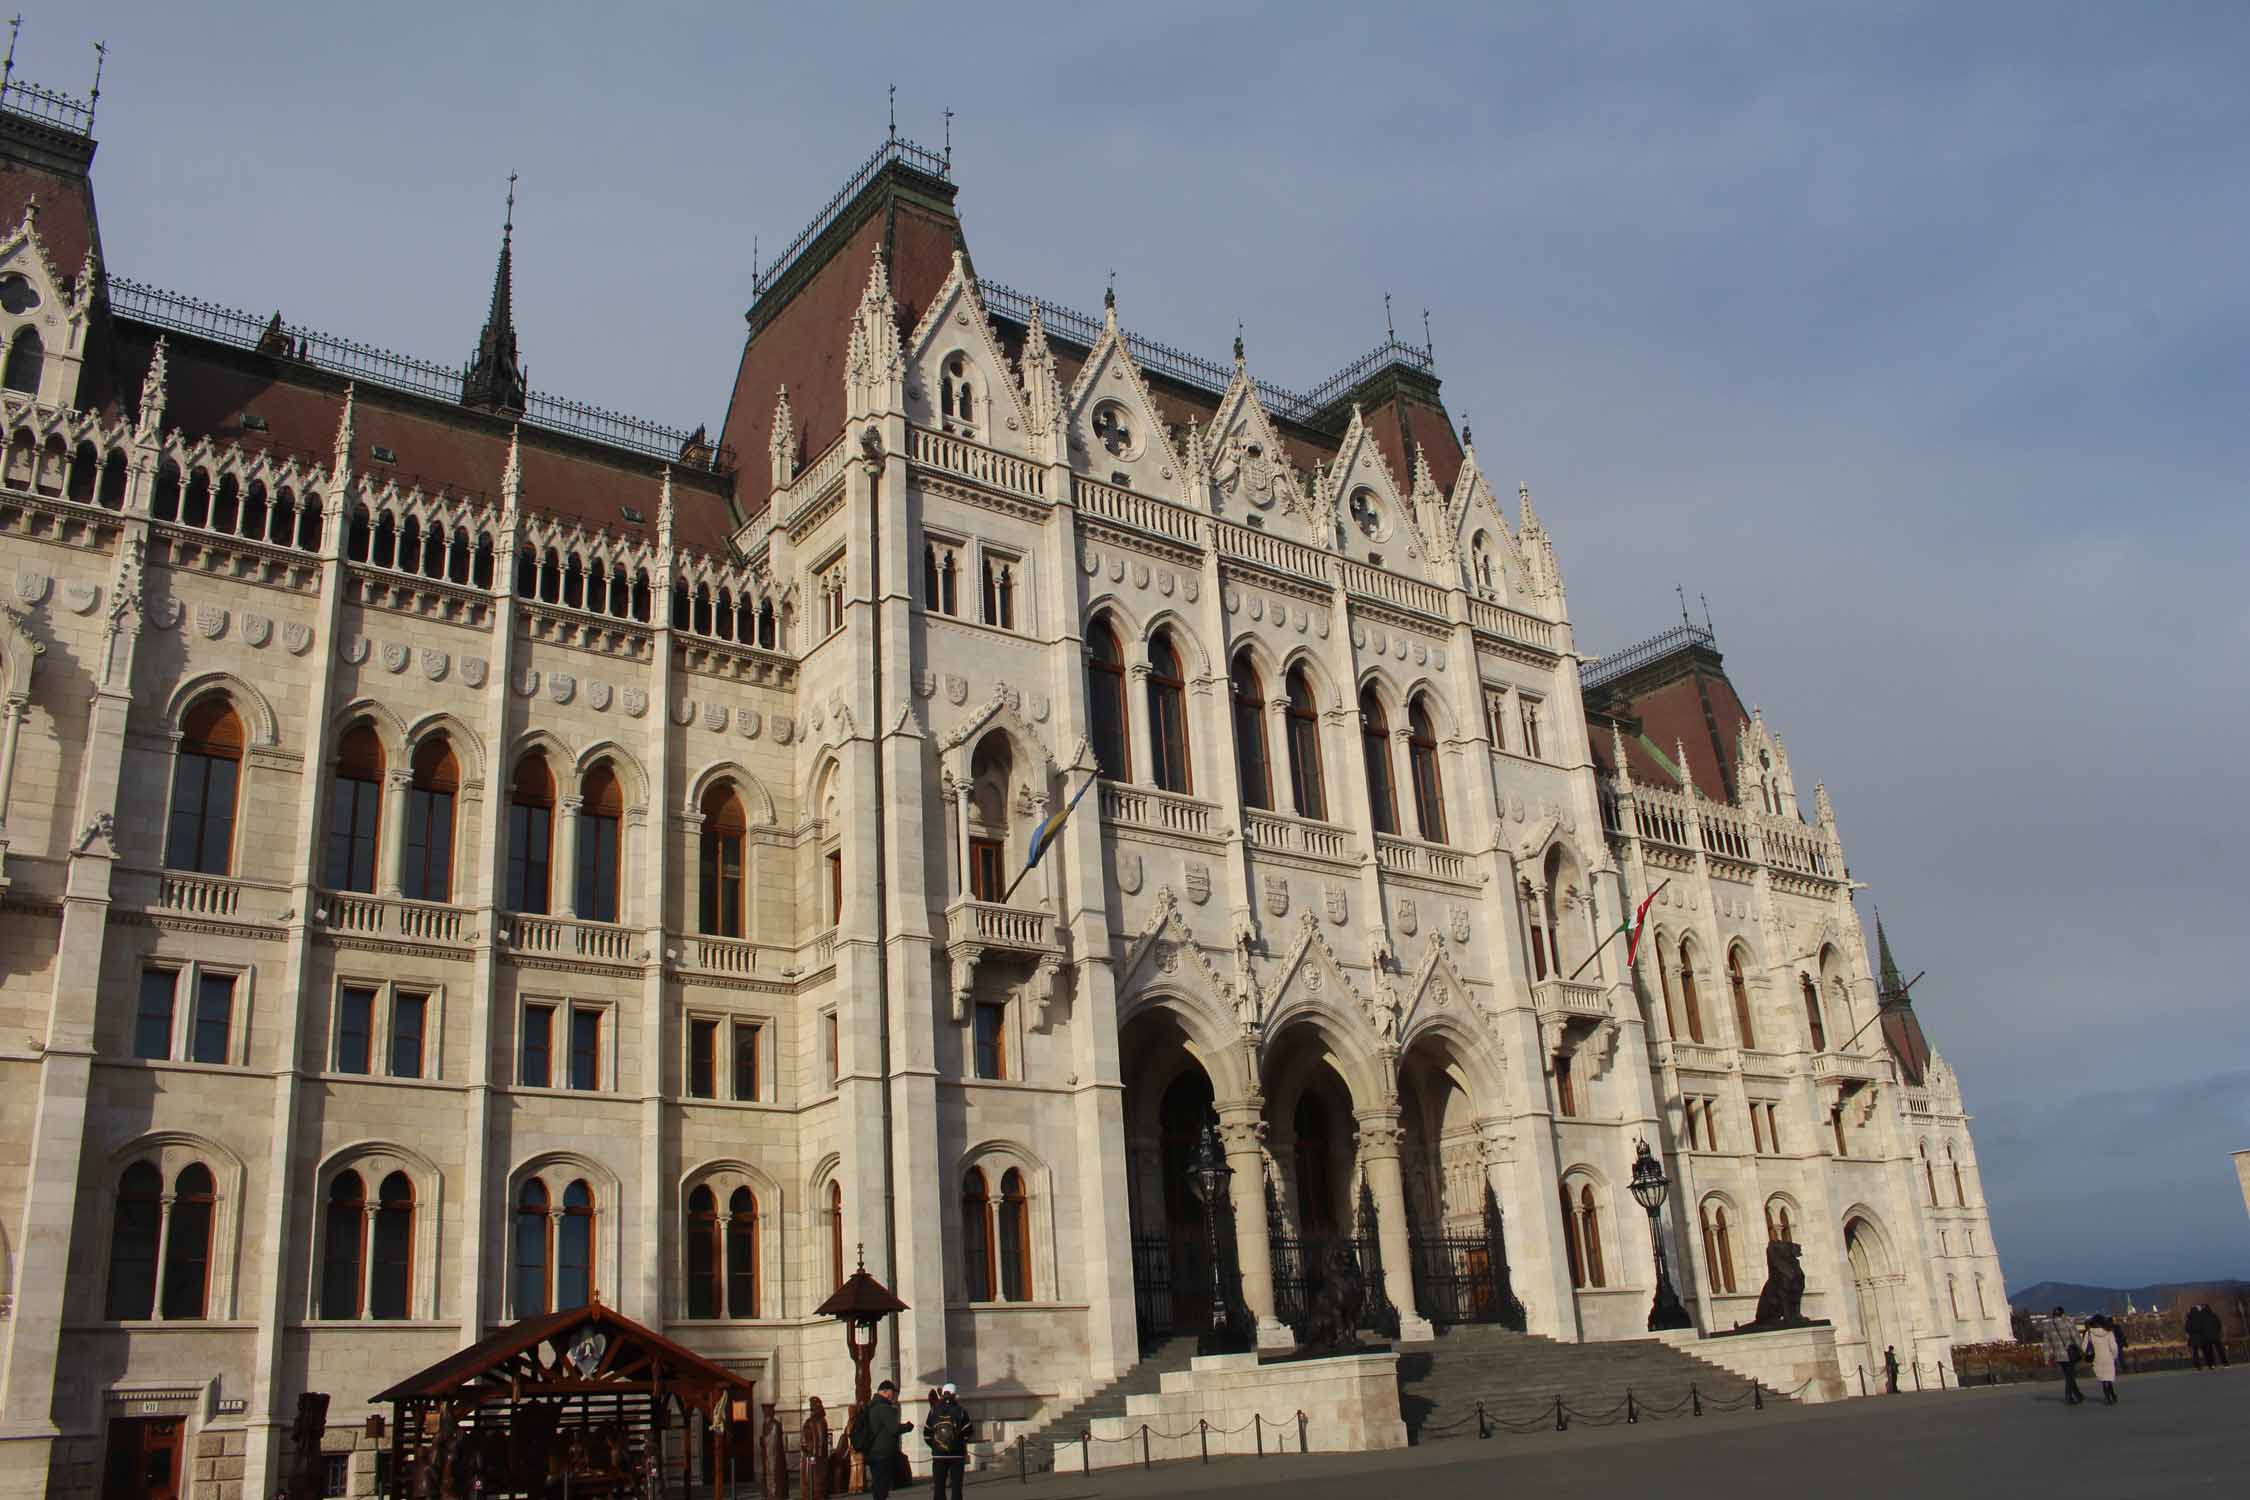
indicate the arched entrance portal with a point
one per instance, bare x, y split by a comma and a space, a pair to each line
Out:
1874, 1283
1455, 1236
1168, 1104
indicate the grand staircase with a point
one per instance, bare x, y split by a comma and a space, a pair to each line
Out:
1515, 1374
1140, 1380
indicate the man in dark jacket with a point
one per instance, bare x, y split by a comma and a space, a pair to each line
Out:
948, 1431
876, 1435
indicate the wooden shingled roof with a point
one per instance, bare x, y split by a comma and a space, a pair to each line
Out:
533, 1356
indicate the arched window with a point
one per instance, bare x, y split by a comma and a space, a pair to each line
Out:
1167, 716
531, 1249
574, 1248
703, 1254
1375, 743
531, 826
355, 810
1015, 1238
601, 814
976, 1237
1480, 562
742, 1254
27, 360
1978, 1283
390, 1283
1960, 1192
428, 868
1744, 1035
1307, 785
1105, 701
1422, 762
1813, 1024
187, 1243
1718, 1248
1590, 1236
206, 777
344, 1251
1929, 1171
1953, 1296
1576, 1253
132, 1242
1664, 980
836, 1233
1688, 1000
1778, 1227
1250, 733
725, 832
957, 401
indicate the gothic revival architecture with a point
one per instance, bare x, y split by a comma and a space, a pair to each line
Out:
464, 854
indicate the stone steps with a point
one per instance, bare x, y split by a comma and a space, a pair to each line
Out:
1140, 1380
1516, 1374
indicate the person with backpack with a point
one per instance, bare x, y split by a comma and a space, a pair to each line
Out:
948, 1430
875, 1434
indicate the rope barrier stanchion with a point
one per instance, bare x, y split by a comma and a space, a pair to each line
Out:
1757, 1396
1862, 1379
1203, 1431
1632, 1412
1484, 1429
1023, 1461
1086, 1448
1696, 1396
1917, 1374
1259, 1422
1562, 1423
1302, 1445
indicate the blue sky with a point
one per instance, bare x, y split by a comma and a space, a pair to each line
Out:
1908, 334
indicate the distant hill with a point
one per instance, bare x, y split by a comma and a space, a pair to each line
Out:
2075, 1297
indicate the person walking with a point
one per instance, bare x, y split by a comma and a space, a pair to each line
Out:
1890, 1370
2101, 1344
2191, 1333
948, 1430
2062, 1352
876, 1435
2207, 1336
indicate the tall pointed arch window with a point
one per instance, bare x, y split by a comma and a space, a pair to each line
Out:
1718, 1248
344, 1248
427, 870
1167, 716
27, 361
835, 1217
1929, 1172
1014, 1238
1308, 787
1375, 744
1590, 1236
742, 1254
1664, 980
206, 777
574, 1248
1744, 1034
1689, 1002
1813, 1024
1248, 692
133, 1238
976, 1236
703, 1254
601, 816
531, 1250
1960, 1191
1422, 762
187, 1243
531, 829
355, 810
726, 829
1105, 701
1778, 1227
390, 1281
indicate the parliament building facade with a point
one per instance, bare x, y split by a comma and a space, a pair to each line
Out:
464, 854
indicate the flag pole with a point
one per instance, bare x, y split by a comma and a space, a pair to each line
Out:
1623, 926
1033, 863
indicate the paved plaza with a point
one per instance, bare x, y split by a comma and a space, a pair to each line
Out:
2175, 1433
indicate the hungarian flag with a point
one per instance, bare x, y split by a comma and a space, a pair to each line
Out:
1045, 833
1632, 928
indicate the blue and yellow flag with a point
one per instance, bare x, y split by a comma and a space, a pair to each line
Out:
1045, 833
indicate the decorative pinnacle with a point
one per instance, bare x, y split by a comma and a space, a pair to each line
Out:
1238, 343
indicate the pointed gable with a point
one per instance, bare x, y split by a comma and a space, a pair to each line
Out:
1251, 473
1117, 430
957, 374
1373, 518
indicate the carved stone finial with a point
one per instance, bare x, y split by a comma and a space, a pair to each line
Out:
346, 430
154, 391
781, 447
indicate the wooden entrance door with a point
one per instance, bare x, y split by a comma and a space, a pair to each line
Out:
144, 1458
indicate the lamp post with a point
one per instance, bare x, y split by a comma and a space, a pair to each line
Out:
1211, 1180
1649, 1186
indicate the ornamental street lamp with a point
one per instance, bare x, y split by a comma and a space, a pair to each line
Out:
1210, 1179
1649, 1185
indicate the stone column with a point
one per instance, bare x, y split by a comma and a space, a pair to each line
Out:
1242, 1132
1379, 1138
562, 867
398, 785
1137, 717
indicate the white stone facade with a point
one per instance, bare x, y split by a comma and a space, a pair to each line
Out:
1361, 1006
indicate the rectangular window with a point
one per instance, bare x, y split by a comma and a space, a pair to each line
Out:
214, 1018
1530, 717
152, 1023
597, 867
1496, 718
355, 1030
1538, 951
833, 1044
409, 1016
200, 835
829, 583
746, 1048
987, 878
835, 886
703, 1060
1566, 1088
528, 832
428, 871
992, 1041
1000, 579
354, 808
1773, 1130
537, 1070
585, 1048
1757, 1128
335, 1474
941, 577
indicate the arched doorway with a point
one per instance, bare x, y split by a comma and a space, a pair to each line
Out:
1168, 1103
1320, 1211
1874, 1284
1455, 1233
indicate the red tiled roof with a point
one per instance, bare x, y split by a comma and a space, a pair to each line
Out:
66, 211
438, 447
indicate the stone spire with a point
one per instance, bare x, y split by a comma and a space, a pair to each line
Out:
1042, 388
340, 465
154, 393
511, 477
495, 381
1886, 965
781, 447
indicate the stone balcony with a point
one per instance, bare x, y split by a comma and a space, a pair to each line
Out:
568, 938
1698, 1056
975, 928
430, 923
1570, 1001
1849, 1071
